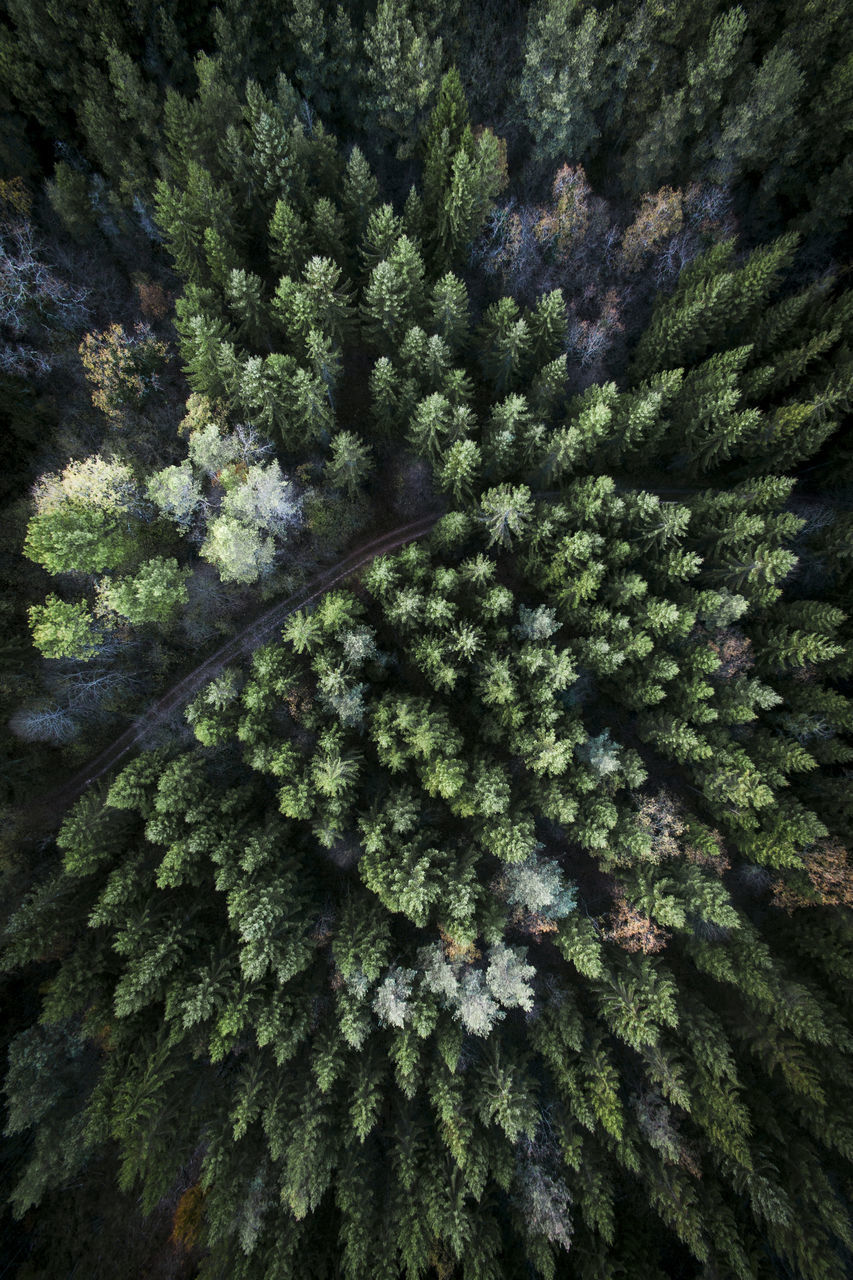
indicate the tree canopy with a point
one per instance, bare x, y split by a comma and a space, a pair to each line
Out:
493, 918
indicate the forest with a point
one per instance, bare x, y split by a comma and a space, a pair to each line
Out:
426, 797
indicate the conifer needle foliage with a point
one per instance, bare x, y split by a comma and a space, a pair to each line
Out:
494, 919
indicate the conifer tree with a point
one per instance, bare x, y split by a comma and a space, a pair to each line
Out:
476, 177
349, 464
442, 139
384, 393
564, 78
460, 468
359, 196
449, 313
288, 240
328, 231
693, 110
245, 298
759, 131
394, 297
403, 68
462, 174
505, 511
505, 342
307, 28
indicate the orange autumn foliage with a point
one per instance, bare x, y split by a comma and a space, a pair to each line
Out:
828, 867
154, 302
659, 814
633, 931
566, 222
534, 923
660, 217
15, 197
734, 651
453, 950
189, 1216
121, 367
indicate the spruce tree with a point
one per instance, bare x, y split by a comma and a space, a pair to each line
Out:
403, 66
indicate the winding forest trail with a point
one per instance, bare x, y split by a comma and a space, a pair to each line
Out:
49, 808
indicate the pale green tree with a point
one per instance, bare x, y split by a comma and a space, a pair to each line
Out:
62, 629
87, 518
239, 552
506, 512
153, 594
176, 492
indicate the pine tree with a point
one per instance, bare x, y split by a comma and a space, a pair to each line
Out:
202, 339
506, 511
505, 341
449, 313
349, 464
384, 229
710, 301
461, 174
759, 132
120, 117
359, 196
328, 231
288, 240
328, 295
307, 28
244, 293
476, 176
394, 297
430, 426
564, 78
384, 394
403, 67
442, 139
459, 469
548, 328
692, 111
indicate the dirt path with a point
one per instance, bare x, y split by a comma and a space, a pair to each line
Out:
49, 808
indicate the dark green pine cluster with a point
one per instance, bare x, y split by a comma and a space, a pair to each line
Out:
495, 923
332, 266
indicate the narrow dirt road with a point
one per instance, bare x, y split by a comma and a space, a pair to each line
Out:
49, 808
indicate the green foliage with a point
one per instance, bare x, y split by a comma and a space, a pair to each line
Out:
563, 81
394, 297
62, 629
500, 907
153, 594
443, 135
462, 174
403, 65
238, 552
505, 343
288, 240
449, 310
505, 512
85, 518
349, 464
359, 196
